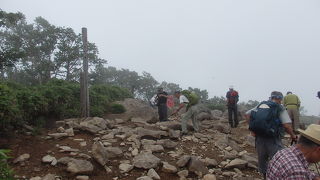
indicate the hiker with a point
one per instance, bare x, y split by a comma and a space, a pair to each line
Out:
162, 104
232, 100
266, 122
293, 162
292, 104
192, 110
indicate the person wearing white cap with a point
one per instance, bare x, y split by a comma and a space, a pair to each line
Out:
292, 163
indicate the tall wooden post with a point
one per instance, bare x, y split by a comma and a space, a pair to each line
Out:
84, 91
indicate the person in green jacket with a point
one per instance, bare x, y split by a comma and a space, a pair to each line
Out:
292, 104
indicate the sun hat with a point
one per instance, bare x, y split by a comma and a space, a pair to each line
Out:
312, 133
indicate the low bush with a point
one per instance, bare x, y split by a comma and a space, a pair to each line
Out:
5, 171
56, 99
117, 108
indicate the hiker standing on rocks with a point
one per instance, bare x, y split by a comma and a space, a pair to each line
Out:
193, 108
267, 121
161, 100
293, 162
232, 100
292, 104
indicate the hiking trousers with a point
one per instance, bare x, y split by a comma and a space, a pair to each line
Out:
233, 115
266, 148
163, 112
294, 116
192, 113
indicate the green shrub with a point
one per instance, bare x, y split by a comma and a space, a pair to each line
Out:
102, 95
56, 99
9, 109
5, 171
117, 108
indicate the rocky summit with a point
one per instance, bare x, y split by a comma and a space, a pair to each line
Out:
133, 146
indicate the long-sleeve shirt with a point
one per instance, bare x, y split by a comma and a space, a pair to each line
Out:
289, 164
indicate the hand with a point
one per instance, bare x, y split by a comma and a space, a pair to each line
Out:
294, 138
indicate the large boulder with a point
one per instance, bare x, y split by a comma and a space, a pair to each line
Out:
94, 125
136, 108
146, 160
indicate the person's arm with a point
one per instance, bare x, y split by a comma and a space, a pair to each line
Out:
289, 130
298, 102
181, 105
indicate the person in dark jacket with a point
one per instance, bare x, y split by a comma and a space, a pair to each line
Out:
162, 97
232, 100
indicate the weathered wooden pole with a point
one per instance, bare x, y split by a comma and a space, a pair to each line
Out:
84, 91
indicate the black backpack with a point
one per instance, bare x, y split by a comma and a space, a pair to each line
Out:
265, 121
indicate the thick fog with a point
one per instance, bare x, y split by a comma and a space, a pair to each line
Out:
256, 46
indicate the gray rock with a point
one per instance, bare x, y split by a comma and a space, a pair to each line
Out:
168, 168
250, 140
168, 144
148, 142
67, 149
250, 159
58, 135
48, 159
183, 161
61, 130
146, 161
237, 163
80, 167
209, 177
124, 167
154, 148
151, 133
144, 178
223, 128
93, 125
35, 178
113, 152
49, 177
216, 113
21, 158
153, 174
183, 173
199, 135
99, 153
204, 116
119, 121
82, 178
197, 166
139, 120
70, 132
174, 134
108, 136
65, 160
210, 162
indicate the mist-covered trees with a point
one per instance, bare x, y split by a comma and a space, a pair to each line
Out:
34, 53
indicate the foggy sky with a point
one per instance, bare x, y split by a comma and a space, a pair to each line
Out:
256, 46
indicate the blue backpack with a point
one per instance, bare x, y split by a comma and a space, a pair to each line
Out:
265, 121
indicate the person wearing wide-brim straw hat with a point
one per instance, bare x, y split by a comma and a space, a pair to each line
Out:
293, 162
